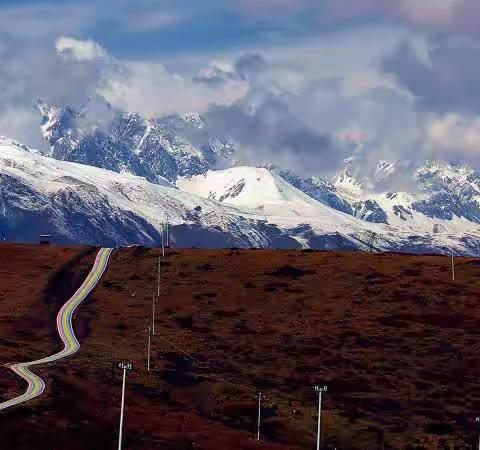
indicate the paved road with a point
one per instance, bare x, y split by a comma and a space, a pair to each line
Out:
36, 386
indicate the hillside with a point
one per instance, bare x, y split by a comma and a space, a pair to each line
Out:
34, 282
391, 335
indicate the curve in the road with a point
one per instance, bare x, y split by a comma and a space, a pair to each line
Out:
36, 386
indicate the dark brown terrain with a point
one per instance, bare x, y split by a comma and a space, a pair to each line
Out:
393, 337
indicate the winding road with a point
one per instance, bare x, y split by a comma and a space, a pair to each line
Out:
36, 385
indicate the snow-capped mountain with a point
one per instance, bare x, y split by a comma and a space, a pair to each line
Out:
263, 191
153, 148
445, 197
184, 151
255, 188
84, 204
79, 203
327, 192
267, 193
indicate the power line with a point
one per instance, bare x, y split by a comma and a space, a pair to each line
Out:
177, 348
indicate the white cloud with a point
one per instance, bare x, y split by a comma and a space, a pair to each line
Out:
363, 81
22, 124
453, 137
146, 87
78, 50
152, 91
351, 136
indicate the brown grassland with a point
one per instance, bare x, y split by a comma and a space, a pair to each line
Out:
393, 337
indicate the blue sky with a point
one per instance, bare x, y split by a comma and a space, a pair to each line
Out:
145, 28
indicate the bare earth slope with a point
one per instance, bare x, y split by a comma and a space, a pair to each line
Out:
393, 337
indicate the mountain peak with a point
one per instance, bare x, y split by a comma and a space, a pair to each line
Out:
126, 142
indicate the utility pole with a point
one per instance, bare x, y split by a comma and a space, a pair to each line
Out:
477, 420
148, 348
168, 238
320, 389
124, 367
260, 397
158, 277
163, 237
453, 267
153, 314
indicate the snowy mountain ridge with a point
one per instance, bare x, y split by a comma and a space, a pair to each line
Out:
268, 192
82, 204
183, 150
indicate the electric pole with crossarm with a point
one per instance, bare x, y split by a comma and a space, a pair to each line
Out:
124, 366
320, 390
260, 397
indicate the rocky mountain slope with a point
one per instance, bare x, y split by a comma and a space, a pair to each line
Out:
167, 148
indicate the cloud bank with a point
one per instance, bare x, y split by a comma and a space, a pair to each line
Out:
279, 102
